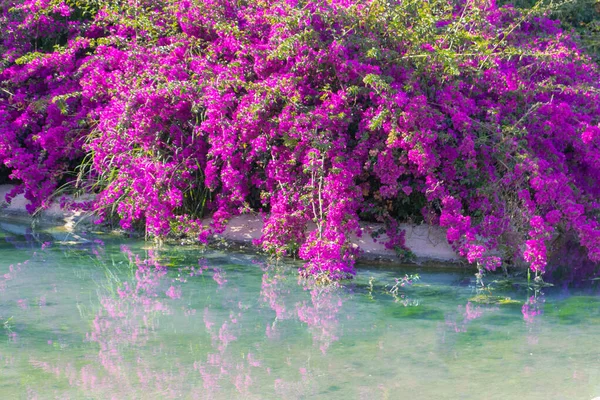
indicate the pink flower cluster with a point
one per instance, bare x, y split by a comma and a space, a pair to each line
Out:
313, 112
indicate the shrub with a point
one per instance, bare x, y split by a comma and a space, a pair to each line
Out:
479, 118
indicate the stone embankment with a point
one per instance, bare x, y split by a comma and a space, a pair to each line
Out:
427, 243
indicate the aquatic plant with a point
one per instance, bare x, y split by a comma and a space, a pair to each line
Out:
394, 290
478, 118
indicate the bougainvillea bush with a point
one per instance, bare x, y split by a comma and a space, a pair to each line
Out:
478, 118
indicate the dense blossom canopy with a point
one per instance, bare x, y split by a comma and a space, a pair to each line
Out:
478, 118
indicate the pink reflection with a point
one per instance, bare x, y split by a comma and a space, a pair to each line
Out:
242, 381
174, 292
532, 308
459, 321
253, 361
274, 293
219, 276
472, 312
321, 315
130, 321
127, 322
132, 354
10, 275
225, 336
531, 311
13, 337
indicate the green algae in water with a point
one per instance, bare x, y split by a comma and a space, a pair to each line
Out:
500, 300
425, 290
414, 312
576, 310
91, 322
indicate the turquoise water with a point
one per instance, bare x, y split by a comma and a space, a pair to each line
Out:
103, 318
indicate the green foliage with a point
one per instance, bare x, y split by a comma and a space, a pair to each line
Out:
580, 16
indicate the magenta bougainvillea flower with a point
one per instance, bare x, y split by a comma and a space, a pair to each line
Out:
475, 117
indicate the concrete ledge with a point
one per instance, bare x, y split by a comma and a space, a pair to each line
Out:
52, 216
428, 243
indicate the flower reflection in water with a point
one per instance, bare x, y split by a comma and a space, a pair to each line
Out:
128, 322
151, 340
459, 321
533, 307
532, 310
234, 326
321, 314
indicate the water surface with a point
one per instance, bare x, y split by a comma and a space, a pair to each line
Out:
103, 317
